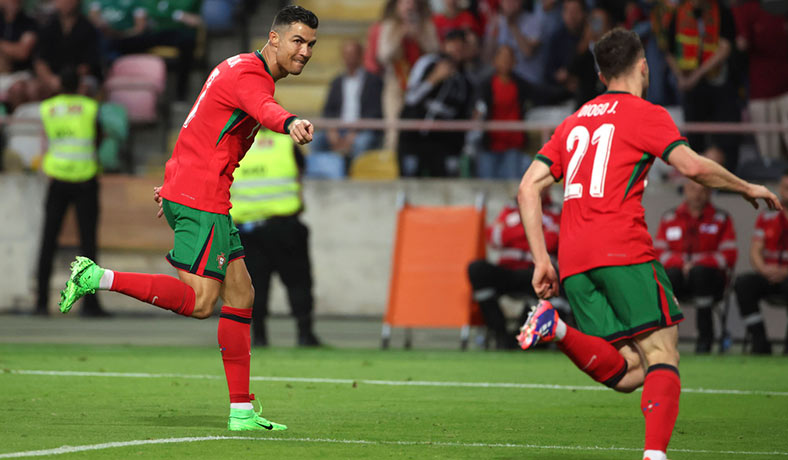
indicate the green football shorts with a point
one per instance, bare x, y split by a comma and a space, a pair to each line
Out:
205, 242
620, 302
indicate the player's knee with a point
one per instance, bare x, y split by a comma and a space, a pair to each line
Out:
203, 307
663, 356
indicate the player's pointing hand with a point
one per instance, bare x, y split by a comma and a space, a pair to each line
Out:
301, 131
755, 192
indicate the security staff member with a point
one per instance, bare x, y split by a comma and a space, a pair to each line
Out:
71, 126
267, 201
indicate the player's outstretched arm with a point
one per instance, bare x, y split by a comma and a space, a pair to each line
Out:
529, 199
301, 131
709, 173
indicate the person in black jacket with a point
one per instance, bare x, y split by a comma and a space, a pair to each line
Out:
438, 89
355, 94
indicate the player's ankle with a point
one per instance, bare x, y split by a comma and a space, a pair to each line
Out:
107, 278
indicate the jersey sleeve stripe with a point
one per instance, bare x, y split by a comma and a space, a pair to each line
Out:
672, 146
549, 164
288, 122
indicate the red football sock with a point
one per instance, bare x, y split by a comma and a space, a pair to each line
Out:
234, 343
594, 356
660, 404
163, 291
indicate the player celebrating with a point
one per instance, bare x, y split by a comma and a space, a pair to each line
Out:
621, 298
195, 198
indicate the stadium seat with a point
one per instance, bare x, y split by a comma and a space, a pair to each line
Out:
25, 139
375, 165
115, 129
218, 15
325, 165
136, 82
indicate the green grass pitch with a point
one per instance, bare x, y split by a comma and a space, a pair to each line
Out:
352, 404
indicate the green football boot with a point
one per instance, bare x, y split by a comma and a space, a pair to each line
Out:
85, 277
248, 420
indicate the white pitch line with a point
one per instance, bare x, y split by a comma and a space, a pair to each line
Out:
418, 383
142, 442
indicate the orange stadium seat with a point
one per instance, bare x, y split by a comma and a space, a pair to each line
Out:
136, 82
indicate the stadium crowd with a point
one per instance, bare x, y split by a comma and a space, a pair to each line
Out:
496, 59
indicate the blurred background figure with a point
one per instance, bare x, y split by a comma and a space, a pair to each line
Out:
17, 40
503, 96
438, 89
582, 79
405, 33
512, 273
354, 94
68, 40
763, 36
452, 16
267, 204
71, 125
119, 22
696, 243
769, 280
523, 31
700, 40
564, 46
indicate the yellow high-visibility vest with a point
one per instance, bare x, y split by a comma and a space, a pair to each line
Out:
70, 125
266, 182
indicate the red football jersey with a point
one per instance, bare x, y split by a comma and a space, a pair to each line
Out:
708, 240
507, 234
237, 98
771, 227
604, 152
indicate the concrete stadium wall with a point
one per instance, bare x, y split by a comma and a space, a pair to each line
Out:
352, 230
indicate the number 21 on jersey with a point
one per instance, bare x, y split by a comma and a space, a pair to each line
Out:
577, 144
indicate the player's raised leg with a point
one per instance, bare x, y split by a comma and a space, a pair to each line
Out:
234, 343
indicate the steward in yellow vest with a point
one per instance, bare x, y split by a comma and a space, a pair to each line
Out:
71, 125
266, 203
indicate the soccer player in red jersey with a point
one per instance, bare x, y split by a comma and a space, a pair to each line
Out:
621, 298
195, 198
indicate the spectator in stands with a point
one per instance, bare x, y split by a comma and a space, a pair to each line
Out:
565, 45
696, 243
703, 72
769, 258
438, 89
522, 31
503, 96
454, 17
763, 36
512, 273
653, 31
71, 125
17, 40
582, 69
406, 33
68, 40
117, 22
354, 94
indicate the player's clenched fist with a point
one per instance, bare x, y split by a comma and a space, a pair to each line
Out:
301, 131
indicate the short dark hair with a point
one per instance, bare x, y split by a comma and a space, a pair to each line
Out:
617, 51
455, 34
69, 80
294, 14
